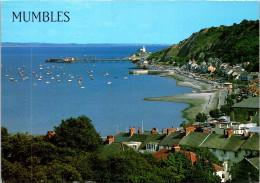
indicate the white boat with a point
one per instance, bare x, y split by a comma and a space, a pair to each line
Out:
58, 75
6, 75
34, 84
106, 74
39, 79
52, 77
82, 87
59, 80
72, 77
109, 83
11, 79
69, 80
41, 68
125, 77
47, 82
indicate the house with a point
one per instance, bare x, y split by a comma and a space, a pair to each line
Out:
245, 110
164, 153
238, 129
248, 76
228, 147
246, 170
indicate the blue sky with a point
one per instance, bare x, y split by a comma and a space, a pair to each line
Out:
144, 22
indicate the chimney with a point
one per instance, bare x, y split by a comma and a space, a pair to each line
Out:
139, 130
132, 131
122, 146
229, 132
110, 139
189, 128
27, 133
176, 148
154, 131
251, 133
164, 131
170, 130
50, 134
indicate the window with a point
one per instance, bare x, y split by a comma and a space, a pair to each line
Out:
236, 154
134, 146
148, 146
224, 152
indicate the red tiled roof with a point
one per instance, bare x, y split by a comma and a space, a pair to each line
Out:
218, 168
163, 154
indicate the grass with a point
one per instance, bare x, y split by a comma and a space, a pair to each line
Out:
188, 113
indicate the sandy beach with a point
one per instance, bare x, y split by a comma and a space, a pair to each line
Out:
200, 101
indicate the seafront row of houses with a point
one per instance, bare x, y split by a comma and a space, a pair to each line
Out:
235, 144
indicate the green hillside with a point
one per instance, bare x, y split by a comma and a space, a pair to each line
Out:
234, 44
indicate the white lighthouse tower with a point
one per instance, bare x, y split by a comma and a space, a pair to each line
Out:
144, 50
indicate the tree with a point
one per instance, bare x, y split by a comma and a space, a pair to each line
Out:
215, 113
201, 117
77, 133
183, 124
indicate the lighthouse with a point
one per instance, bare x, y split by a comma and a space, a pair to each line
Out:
144, 51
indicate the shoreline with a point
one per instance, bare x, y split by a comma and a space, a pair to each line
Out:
198, 102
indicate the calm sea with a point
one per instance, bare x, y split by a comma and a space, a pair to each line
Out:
35, 106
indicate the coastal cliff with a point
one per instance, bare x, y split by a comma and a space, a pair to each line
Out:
234, 44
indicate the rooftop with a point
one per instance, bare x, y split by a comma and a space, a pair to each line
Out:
193, 139
251, 143
252, 102
121, 137
171, 139
254, 161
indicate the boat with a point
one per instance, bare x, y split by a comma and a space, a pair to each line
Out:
41, 68
109, 83
52, 77
39, 79
34, 84
125, 77
11, 79
69, 80
6, 75
106, 74
59, 80
47, 82
58, 75
82, 87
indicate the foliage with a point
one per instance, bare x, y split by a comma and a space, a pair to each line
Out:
215, 113
77, 133
183, 124
38, 159
234, 44
201, 117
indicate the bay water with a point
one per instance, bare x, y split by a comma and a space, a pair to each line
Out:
36, 106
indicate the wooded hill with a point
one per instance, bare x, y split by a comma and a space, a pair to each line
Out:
234, 44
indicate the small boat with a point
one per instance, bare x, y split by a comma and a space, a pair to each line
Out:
92, 78
34, 84
106, 74
11, 79
125, 77
52, 77
82, 87
41, 68
23, 66
59, 80
63, 73
72, 77
39, 79
58, 75
69, 80
6, 75
109, 83
48, 67
40, 65
47, 82
19, 68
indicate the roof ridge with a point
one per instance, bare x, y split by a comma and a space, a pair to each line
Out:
204, 139
252, 163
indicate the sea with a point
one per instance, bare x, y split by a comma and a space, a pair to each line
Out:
107, 93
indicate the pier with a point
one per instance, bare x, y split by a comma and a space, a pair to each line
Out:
77, 60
